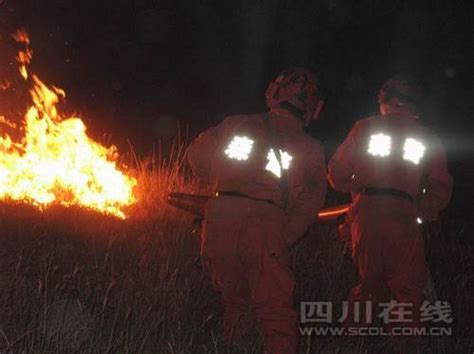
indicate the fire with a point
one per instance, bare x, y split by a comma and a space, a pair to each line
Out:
55, 161
24, 56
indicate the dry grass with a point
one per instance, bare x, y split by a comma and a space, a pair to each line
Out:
75, 281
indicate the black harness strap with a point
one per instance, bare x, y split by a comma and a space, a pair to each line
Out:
274, 145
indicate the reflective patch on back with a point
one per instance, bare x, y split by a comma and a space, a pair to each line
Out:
273, 165
239, 148
380, 145
413, 150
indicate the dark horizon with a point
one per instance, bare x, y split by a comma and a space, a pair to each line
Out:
135, 68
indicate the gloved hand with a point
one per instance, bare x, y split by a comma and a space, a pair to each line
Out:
344, 231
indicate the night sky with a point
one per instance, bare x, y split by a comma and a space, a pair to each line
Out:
134, 68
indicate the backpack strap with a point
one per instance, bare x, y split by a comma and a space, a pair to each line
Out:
275, 146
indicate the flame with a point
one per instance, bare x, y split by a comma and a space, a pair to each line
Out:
55, 161
24, 56
5, 121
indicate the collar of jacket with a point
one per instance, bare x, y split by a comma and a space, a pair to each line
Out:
286, 120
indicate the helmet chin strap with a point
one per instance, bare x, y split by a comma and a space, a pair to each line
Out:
306, 118
318, 109
315, 115
281, 111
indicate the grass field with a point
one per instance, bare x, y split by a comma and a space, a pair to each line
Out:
72, 280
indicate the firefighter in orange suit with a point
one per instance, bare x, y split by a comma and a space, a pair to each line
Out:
396, 170
269, 179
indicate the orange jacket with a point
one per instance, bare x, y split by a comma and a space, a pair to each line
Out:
209, 157
394, 151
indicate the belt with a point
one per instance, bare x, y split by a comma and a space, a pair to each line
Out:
388, 191
240, 195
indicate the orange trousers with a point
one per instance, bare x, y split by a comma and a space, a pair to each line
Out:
387, 248
246, 256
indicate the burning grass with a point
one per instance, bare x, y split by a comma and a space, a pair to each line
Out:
72, 280
55, 161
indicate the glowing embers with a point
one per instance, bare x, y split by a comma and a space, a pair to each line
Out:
380, 145
413, 150
274, 166
239, 148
